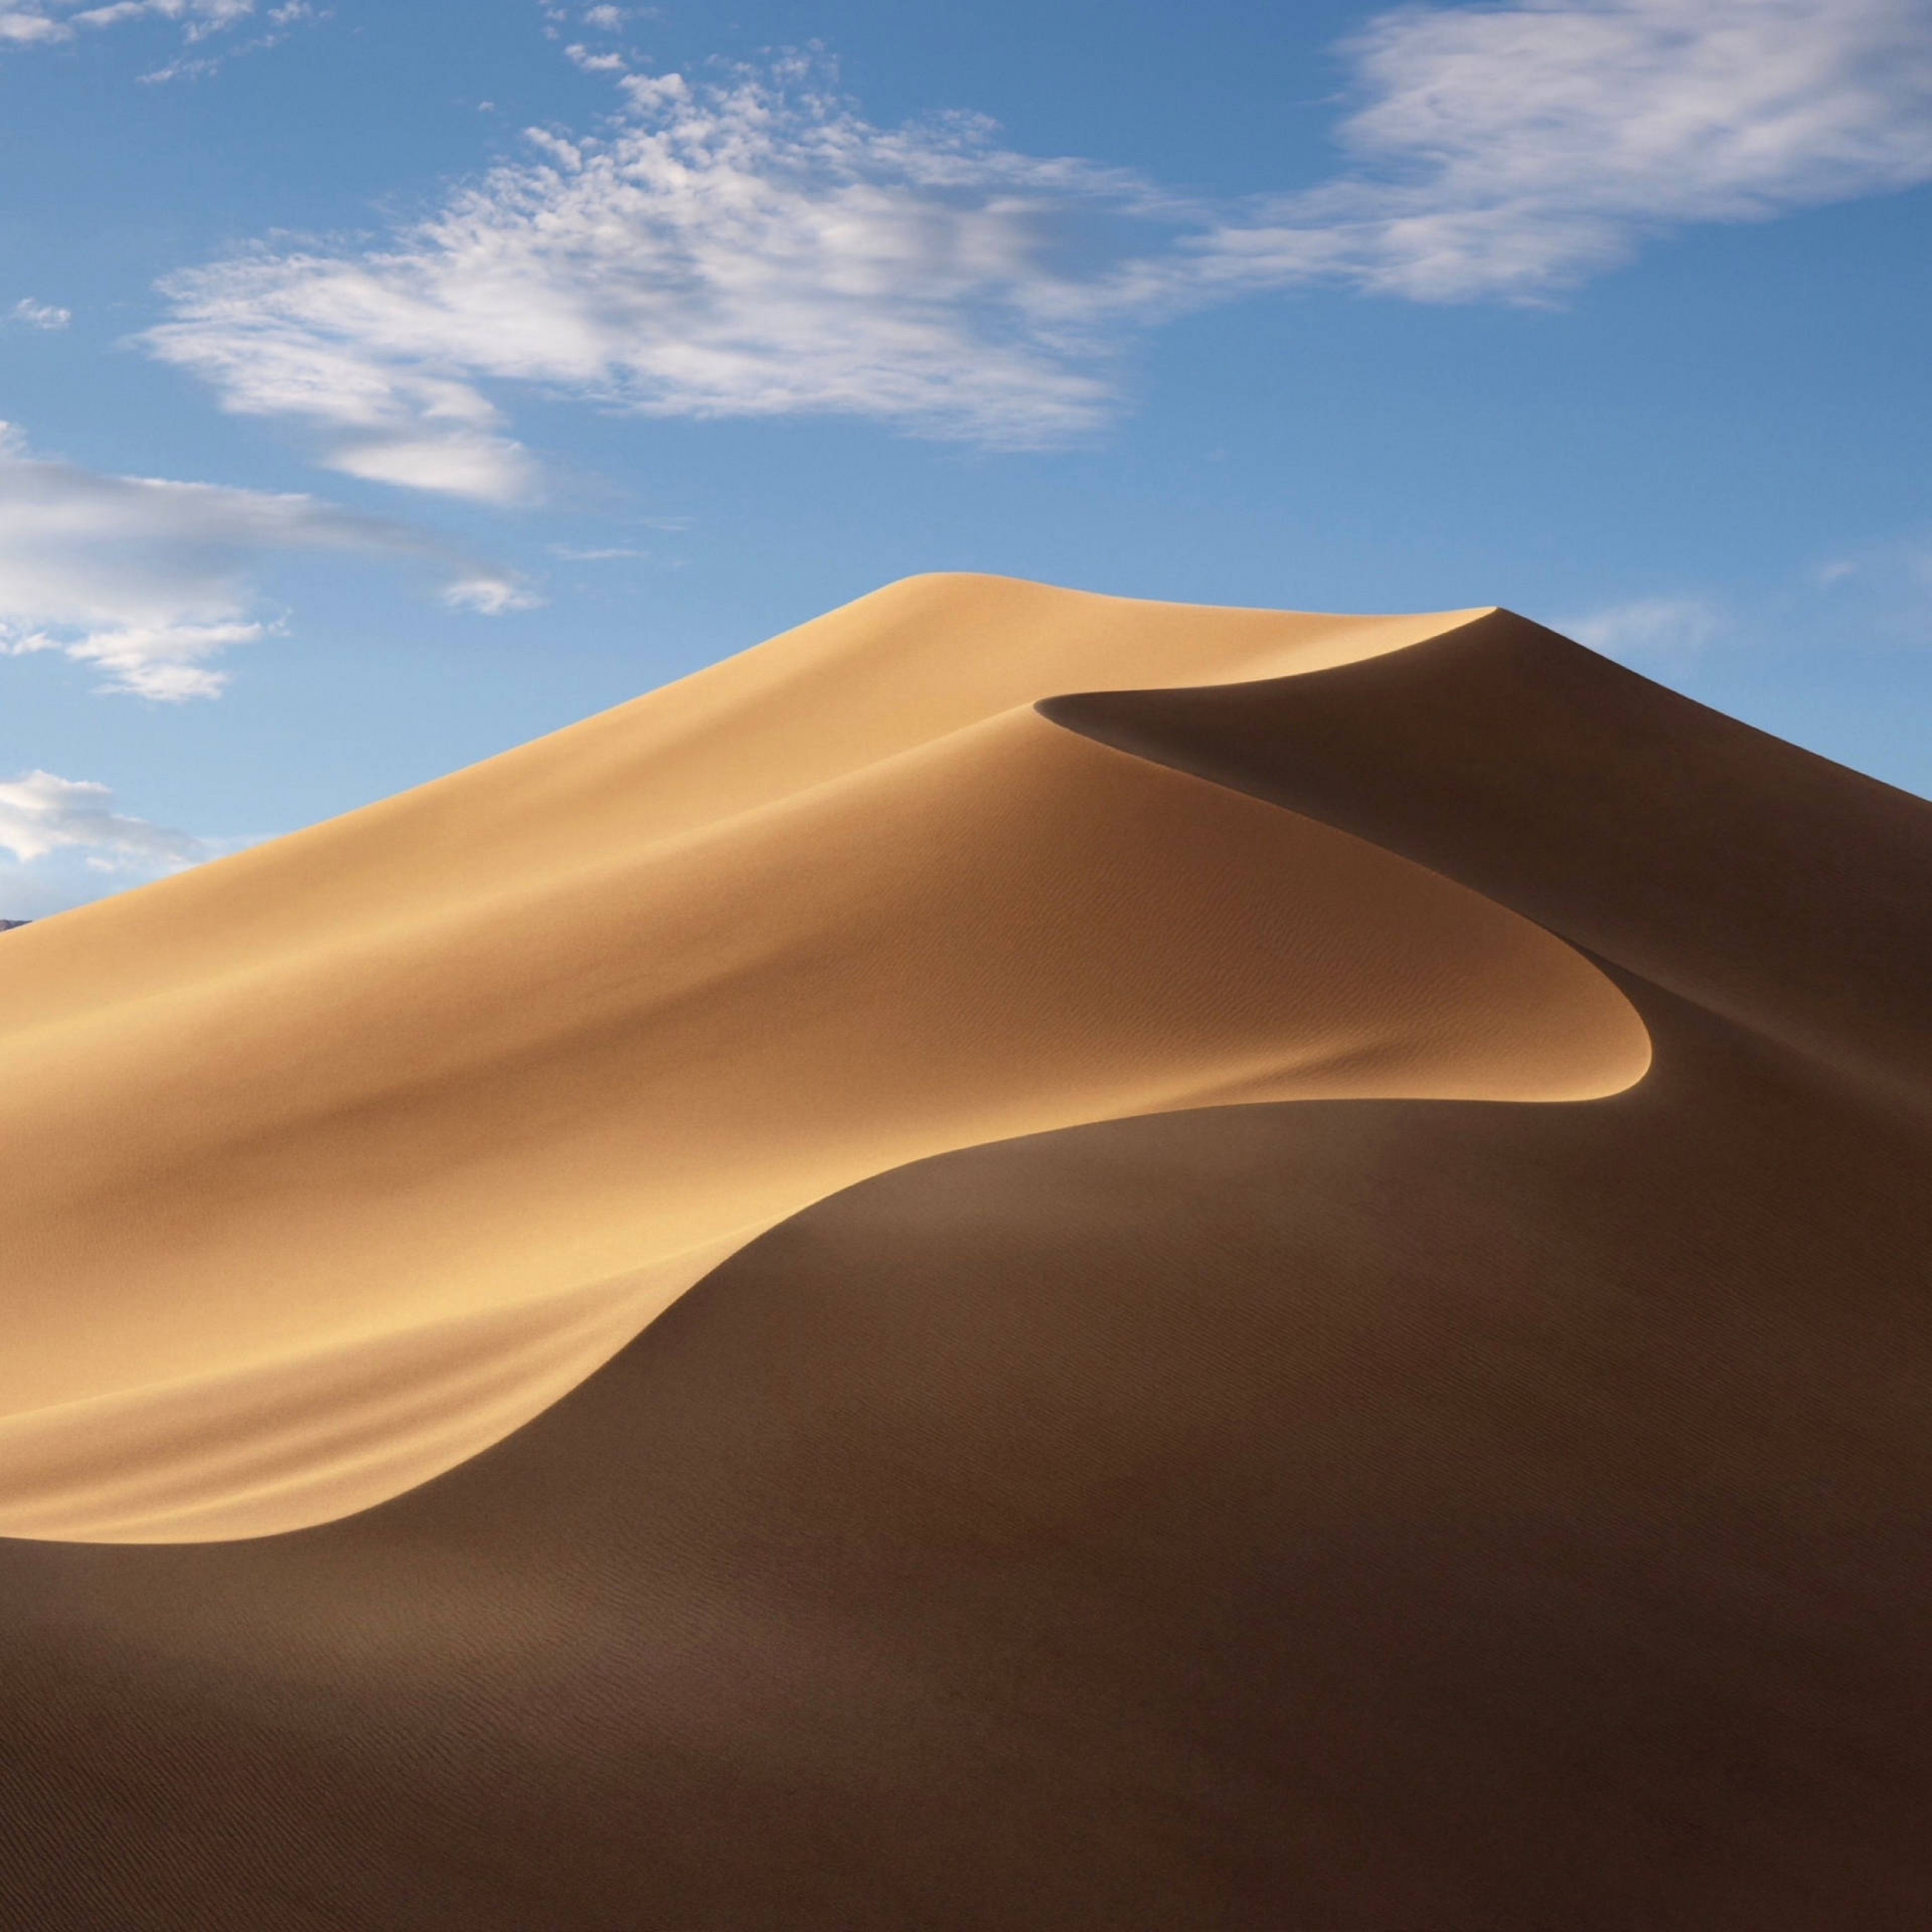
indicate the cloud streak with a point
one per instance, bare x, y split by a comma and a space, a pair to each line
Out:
42, 315
757, 248
1649, 629
752, 250
62, 842
27, 23
45, 23
151, 580
41, 815
1514, 151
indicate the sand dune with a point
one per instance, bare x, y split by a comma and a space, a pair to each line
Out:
1378, 1504
336, 1161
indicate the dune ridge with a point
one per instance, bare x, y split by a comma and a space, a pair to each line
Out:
337, 1160
1355, 1513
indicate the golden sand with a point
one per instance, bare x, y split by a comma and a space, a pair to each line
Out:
333, 1162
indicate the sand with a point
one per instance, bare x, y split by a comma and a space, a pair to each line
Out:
1381, 1503
334, 1162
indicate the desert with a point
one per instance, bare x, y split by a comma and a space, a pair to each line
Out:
965, 969
1252, 1265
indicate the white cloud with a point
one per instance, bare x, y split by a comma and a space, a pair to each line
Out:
150, 580
489, 595
33, 315
26, 23
1881, 591
1651, 628
758, 249
1876, 597
755, 249
41, 815
282, 20
489, 469
32, 22
62, 842
1512, 150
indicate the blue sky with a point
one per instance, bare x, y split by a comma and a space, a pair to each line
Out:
386, 385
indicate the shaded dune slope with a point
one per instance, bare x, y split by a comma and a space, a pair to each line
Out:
1354, 1513
332, 1164
1777, 888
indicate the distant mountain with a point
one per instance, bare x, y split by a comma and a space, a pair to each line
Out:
7, 925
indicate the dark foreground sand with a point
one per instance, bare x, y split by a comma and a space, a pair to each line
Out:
1364, 1513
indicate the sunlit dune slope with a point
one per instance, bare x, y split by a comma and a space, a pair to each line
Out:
331, 1163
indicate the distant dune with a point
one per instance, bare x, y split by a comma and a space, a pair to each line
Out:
1301, 1265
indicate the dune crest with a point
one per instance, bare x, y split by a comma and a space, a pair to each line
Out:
334, 1162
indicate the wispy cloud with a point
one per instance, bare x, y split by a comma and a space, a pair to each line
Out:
1876, 595
41, 815
62, 842
757, 248
1511, 151
45, 23
1651, 628
608, 61
560, 19
751, 249
43, 315
42, 22
279, 21
151, 580
1882, 591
